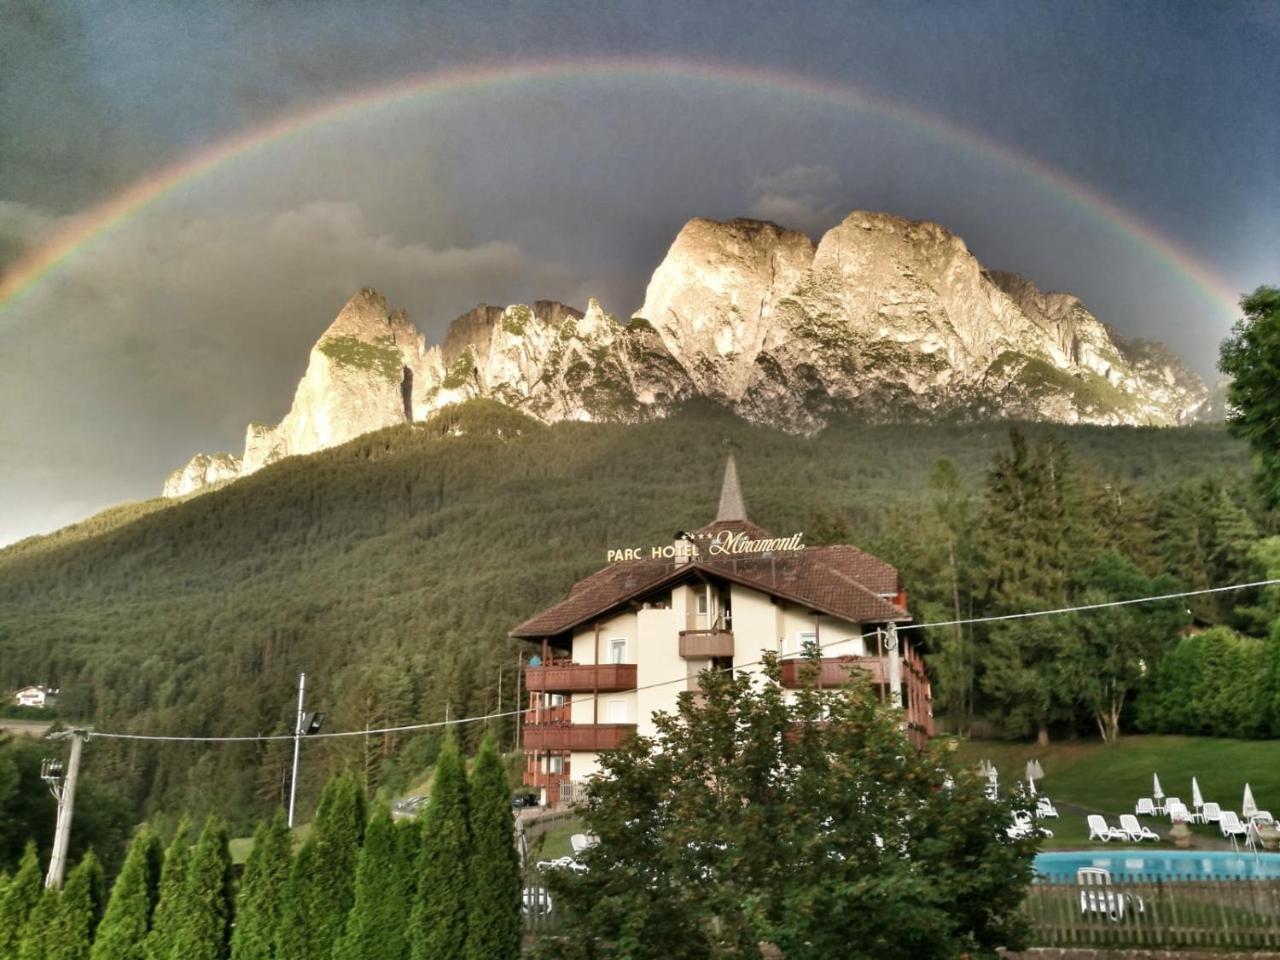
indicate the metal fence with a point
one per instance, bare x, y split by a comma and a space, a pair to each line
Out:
1150, 911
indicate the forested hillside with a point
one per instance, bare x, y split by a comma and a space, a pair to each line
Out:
391, 569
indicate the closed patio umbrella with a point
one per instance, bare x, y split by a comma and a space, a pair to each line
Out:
1039, 770
1031, 770
1031, 786
1156, 790
1197, 800
1247, 807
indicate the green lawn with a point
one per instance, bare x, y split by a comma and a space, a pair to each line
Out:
555, 842
1109, 778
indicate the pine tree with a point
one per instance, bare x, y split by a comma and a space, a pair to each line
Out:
378, 926
439, 921
122, 934
294, 936
167, 918
262, 892
322, 890
34, 940
206, 898
494, 924
21, 895
1035, 534
70, 932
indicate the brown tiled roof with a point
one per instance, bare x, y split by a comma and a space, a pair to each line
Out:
841, 580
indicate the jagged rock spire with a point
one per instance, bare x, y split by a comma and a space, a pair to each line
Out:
732, 506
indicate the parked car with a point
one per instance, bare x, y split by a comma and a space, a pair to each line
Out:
524, 799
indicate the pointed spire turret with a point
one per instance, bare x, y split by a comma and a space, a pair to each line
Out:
732, 506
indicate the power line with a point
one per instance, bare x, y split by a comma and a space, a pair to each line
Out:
458, 721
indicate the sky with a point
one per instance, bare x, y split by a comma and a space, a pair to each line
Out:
1125, 152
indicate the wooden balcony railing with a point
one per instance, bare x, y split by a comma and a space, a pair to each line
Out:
576, 736
833, 671
703, 644
580, 678
542, 778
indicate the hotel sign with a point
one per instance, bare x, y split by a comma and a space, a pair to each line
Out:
725, 543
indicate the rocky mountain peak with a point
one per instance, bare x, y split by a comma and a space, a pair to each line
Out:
884, 317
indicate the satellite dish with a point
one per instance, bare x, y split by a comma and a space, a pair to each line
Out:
535, 661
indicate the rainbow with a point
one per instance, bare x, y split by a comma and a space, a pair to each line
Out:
101, 220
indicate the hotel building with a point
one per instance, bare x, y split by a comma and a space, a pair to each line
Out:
631, 636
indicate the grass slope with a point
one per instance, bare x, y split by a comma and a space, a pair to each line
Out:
1109, 778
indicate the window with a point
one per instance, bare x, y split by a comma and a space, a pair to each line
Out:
618, 650
702, 603
555, 699
555, 764
804, 639
618, 711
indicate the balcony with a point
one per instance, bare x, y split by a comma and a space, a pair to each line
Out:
580, 678
833, 671
576, 736
543, 778
704, 644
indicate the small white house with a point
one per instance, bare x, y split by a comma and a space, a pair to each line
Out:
37, 696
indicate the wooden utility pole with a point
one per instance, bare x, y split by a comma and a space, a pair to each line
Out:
66, 795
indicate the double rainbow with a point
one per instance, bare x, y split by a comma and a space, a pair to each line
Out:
98, 222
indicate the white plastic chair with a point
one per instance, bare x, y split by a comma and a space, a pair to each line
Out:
1177, 810
581, 842
1045, 808
1099, 829
1096, 897
1211, 812
1144, 807
1232, 828
1136, 831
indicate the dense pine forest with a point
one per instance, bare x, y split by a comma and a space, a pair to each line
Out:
391, 569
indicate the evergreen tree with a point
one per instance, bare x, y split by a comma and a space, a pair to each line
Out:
494, 923
439, 921
378, 926
167, 918
70, 933
262, 892
322, 889
21, 895
122, 934
295, 936
1251, 357
206, 909
1035, 534
34, 940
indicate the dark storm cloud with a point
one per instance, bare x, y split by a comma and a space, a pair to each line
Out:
191, 319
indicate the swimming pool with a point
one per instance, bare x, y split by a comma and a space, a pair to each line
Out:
1061, 865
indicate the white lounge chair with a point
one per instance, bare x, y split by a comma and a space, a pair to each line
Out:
1211, 813
1136, 831
1232, 828
1177, 810
1256, 824
1169, 803
1145, 807
581, 842
1096, 897
1045, 808
1099, 829
1024, 826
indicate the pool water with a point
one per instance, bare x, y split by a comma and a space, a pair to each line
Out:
1061, 866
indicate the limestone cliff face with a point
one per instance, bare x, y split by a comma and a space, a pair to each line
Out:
885, 317
891, 318
359, 378
204, 470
